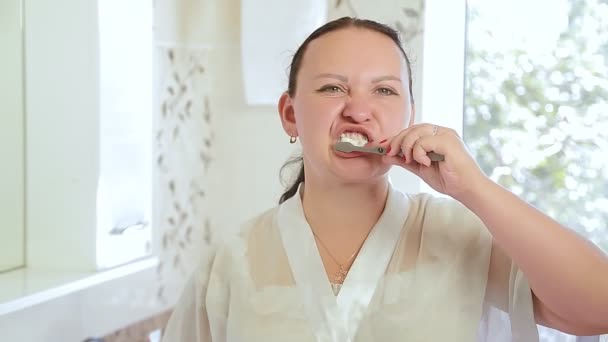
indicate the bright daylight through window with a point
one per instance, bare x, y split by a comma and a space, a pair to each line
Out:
536, 106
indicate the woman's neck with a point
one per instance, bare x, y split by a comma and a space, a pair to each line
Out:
344, 209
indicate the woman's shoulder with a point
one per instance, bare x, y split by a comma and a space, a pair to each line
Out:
441, 210
255, 231
442, 232
445, 219
259, 223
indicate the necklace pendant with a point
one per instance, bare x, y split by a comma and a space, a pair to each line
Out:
340, 275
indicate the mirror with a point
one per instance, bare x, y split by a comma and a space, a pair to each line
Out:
12, 120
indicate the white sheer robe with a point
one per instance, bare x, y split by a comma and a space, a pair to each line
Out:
421, 275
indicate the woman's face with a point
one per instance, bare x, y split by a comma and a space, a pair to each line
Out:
352, 84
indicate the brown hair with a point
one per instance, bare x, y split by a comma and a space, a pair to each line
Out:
296, 62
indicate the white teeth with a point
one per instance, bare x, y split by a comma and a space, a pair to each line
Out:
354, 138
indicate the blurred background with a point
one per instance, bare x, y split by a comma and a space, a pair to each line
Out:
134, 135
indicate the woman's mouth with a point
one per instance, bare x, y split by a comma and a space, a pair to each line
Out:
355, 138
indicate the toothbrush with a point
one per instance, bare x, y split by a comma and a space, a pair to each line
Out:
347, 147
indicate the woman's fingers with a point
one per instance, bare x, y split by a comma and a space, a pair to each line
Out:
407, 140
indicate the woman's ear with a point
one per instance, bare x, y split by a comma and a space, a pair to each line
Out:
287, 114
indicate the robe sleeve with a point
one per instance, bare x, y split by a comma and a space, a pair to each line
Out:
189, 321
508, 312
513, 320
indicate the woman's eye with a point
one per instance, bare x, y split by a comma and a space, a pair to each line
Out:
386, 91
330, 89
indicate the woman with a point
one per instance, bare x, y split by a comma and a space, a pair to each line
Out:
345, 257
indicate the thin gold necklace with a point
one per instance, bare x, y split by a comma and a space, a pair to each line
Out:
342, 271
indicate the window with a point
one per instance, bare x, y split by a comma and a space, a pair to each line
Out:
124, 194
536, 106
12, 164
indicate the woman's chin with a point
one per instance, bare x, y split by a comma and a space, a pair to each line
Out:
360, 172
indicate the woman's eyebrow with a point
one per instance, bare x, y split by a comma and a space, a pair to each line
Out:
386, 78
330, 75
345, 79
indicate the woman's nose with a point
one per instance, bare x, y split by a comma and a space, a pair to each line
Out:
357, 108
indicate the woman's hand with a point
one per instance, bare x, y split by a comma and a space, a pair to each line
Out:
456, 176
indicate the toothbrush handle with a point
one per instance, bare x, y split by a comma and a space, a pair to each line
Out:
436, 156
432, 155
